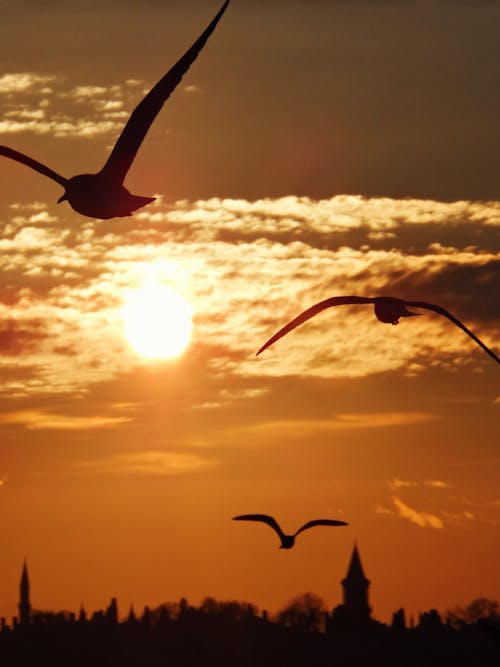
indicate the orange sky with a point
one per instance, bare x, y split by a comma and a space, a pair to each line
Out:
119, 476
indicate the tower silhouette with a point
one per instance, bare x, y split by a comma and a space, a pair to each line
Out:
24, 597
355, 586
353, 615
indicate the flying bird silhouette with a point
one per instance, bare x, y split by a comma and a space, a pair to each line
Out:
287, 541
388, 309
103, 195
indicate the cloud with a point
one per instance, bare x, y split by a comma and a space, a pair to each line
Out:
29, 206
36, 420
87, 92
156, 463
20, 82
436, 484
63, 126
396, 483
421, 519
381, 509
80, 111
229, 397
237, 263
340, 422
464, 515
20, 337
381, 419
400, 483
455, 509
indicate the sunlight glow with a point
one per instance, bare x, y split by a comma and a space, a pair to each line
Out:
157, 322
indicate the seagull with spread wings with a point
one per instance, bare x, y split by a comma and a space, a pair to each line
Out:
103, 195
388, 309
287, 541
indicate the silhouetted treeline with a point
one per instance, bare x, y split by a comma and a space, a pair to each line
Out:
223, 633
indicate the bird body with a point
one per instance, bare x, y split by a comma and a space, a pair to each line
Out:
388, 309
96, 196
287, 541
102, 195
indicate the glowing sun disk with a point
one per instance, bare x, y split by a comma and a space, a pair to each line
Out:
157, 322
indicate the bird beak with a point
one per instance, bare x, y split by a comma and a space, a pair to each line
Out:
408, 313
63, 198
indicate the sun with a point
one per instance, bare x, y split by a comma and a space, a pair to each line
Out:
157, 322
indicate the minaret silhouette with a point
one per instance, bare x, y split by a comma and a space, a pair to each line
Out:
24, 597
355, 586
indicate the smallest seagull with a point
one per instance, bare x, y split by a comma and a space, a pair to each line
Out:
287, 541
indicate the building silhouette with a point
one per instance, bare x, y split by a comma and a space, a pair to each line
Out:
228, 632
355, 586
355, 612
24, 597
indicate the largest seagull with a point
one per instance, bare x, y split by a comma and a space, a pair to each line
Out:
103, 195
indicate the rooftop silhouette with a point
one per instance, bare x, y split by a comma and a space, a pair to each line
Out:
388, 309
228, 632
102, 195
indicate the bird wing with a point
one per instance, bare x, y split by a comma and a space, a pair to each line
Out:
320, 522
445, 313
265, 518
311, 312
140, 121
34, 164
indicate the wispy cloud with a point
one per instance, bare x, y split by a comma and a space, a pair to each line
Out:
381, 419
229, 397
444, 509
37, 420
400, 483
419, 518
340, 422
62, 126
150, 463
19, 82
436, 483
396, 483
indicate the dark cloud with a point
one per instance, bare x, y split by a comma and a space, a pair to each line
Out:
408, 238
467, 291
19, 338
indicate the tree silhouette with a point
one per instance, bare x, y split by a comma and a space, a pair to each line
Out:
306, 611
478, 609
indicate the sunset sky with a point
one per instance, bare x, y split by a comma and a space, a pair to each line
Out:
314, 149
